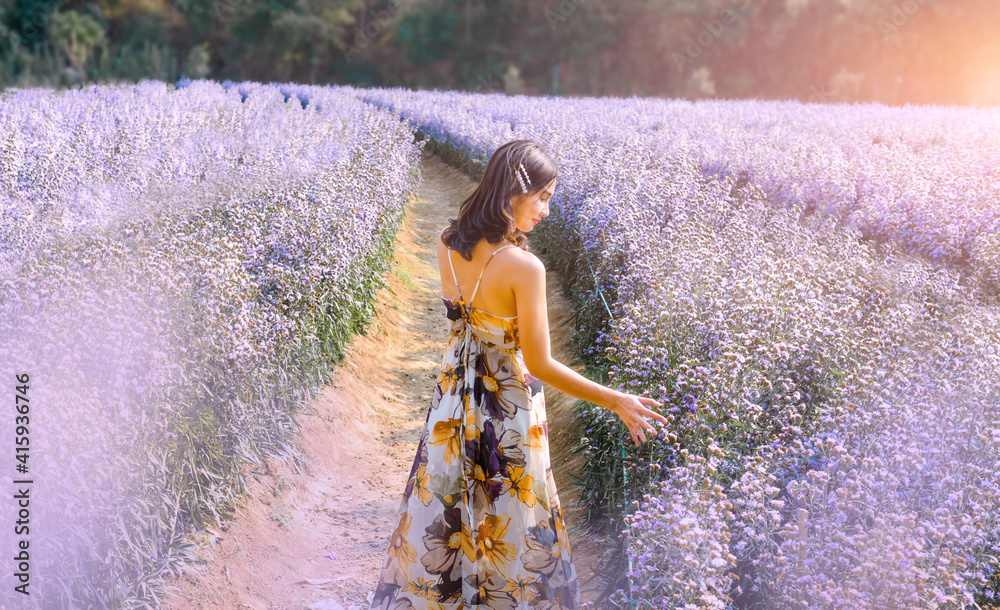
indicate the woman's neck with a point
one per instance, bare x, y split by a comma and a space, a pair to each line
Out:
490, 246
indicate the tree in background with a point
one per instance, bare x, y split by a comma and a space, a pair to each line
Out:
891, 51
76, 35
283, 40
196, 66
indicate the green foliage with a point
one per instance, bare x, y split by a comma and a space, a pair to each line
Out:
196, 65
429, 36
76, 35
892, 51
284, 40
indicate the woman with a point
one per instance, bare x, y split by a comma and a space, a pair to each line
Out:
480, 524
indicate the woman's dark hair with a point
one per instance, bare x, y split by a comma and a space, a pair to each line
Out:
487, 211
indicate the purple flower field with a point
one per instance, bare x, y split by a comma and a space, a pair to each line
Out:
811, 291
183, 268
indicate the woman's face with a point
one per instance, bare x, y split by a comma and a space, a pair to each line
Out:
531, 208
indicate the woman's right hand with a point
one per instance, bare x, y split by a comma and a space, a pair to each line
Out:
633, 411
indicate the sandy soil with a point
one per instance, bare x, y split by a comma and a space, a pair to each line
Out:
316, 539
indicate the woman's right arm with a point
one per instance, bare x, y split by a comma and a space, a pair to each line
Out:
533, 330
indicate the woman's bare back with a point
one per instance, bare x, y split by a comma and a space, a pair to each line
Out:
494, 294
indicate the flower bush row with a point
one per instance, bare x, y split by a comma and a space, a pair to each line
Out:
832, 398
85, 160
171, 352
922, 177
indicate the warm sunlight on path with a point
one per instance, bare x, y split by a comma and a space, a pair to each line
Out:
316, 539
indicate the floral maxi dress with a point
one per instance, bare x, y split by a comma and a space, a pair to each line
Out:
480, 524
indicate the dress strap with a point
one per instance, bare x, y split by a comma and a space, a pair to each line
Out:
484, 269
453, 276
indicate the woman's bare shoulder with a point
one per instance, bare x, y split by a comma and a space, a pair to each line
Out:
519, 257
520, 264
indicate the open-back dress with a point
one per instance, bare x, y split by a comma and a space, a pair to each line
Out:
480, 525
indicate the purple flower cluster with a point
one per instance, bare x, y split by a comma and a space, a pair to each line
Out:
678, 539
802, 363
83, 161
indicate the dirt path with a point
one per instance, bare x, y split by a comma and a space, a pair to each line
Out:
317, 539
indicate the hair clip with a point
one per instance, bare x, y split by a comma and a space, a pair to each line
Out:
521, 180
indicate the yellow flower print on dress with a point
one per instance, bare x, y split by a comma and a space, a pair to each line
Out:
562, 538
427, 591
490, 542
400, 548
447, 433
449, 379
521, 589
421, 485
535, 434
510, 337
471, 431
520, 486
